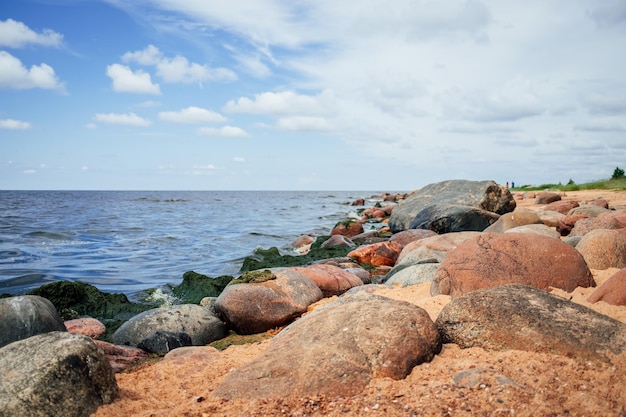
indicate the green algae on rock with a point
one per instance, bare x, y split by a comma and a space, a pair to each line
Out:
254, 277
196, 286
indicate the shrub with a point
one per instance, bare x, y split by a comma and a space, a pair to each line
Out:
618, 173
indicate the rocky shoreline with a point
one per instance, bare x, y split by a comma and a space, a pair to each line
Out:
463, 299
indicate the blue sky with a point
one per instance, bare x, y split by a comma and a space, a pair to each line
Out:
309, 94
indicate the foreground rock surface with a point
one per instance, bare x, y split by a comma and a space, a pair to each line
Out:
338, 349
526, 318
612, 291
54, 374
495, 259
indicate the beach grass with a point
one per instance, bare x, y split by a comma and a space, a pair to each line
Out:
608, 184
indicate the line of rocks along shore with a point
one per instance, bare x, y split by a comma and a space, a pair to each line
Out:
467, 238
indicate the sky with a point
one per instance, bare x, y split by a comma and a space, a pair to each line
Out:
309, 94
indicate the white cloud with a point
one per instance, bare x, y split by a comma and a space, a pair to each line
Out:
14, 124
91, 126
192, 115
225, 131
239, 159
13, 74
303, 123
17, 35
130, 119
178, 69
284, 102
126, 80
29, 171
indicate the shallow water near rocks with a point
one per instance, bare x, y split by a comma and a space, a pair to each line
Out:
129, 241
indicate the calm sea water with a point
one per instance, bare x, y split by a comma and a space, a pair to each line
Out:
129, 241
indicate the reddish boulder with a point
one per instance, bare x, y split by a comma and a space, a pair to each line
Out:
608, 220
257, 307
302, 241
121, 357
347, 228
337, 350
358, 202
600, 202
331, 279
337, 240
377, 254
565, 224
494, 259
519, 217
612, 291
87, 326
603, 249
546, 197
436, 247
562, 206
411, 235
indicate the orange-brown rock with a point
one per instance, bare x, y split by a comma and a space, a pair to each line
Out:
436, 247
377, 254
121, 357
331, 279
562, 206
546, 197
565, 224
495, 259
612, 291
347, 228
608, 220
86, 326
411, 235
519, 217
603, 248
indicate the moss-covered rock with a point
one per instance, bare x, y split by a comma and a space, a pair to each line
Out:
196, 286
254, 277
74, 299
271, 258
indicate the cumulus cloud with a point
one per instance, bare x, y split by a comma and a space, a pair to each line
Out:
14, 124
192, 115
13, 74
177, 69
126, 80
129, 119
224, 131
14, 34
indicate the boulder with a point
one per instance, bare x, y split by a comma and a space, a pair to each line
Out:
526, 318
588, 210
347, 228
121, 357
549, 218
54, 374
486, 195
561, 206
599, 201
258, 307
447, 218
435, 247
25, 316
337, 350
608, 220
86, 326
565, 224
612, 291
412, 274
331, 279
198, 322
407, 236
538, 229
546, 197
337, 240
196, 286
161, 343
377, 254
495, 259
603, 248
519, 217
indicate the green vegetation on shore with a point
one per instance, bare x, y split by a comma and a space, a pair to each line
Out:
618, 183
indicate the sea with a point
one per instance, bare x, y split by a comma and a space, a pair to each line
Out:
132, 241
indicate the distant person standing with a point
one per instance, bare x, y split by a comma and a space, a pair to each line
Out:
512, 184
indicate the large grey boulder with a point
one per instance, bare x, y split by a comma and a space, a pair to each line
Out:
338, 349
260, 306
486, 195
197, 322
54, 374
447, 218
26, 316
412, 274
526, 318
